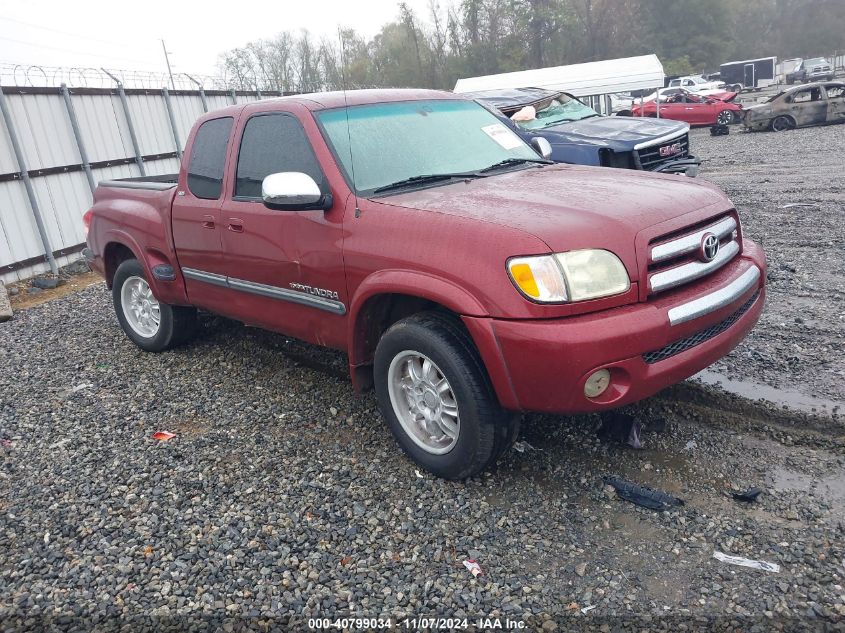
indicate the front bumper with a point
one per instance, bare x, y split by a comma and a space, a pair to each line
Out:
688, 166
545, 363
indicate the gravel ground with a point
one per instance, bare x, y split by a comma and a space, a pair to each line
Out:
800, 341
283, 497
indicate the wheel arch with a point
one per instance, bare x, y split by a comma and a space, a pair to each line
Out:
389, 296
121, 246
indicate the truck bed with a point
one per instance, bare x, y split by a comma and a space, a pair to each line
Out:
155, 183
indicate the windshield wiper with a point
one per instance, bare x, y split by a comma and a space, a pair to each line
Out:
428, 178
515, 161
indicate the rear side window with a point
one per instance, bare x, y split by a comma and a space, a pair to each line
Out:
272, 143
208, 158
836, 92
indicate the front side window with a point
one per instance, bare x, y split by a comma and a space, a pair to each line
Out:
208, 158
398, 140
273, 143
806, 96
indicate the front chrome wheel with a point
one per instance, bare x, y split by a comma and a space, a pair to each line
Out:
424, 402
141, 309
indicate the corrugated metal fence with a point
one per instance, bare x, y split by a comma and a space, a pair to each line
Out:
57, 143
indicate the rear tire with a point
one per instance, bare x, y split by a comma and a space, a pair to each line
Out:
781, 124
151, 325
434, 392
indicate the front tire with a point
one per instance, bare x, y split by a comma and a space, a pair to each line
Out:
782, 123
725, 117
435, 394
151, 325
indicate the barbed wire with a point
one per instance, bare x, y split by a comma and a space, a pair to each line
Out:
12, 74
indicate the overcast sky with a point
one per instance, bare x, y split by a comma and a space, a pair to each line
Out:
125, 35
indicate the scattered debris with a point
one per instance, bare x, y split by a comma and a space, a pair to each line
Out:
163, 436
749, 495
621, 427
418, 474
333, 411
643, 495
747, 562
46, 283
522, 446
586, 610
473, 567
46, 538
581, 569
719, 130
5, 442
84, 385
691, 445
792, 205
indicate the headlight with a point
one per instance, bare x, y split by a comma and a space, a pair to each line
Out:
570, 276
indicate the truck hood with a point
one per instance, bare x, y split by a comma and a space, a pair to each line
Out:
619, 133
572, 206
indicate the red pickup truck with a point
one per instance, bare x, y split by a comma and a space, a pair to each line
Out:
466, 278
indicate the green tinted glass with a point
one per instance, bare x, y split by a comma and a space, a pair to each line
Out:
398, 140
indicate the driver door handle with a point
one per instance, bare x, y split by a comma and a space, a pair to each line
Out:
236, 225
208, 221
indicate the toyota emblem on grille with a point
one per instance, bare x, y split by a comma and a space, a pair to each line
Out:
709, 247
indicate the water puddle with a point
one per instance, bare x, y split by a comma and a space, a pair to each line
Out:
830, 488
789, 398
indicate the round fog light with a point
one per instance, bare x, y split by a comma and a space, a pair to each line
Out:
597, 383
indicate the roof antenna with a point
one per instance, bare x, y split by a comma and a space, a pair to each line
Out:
348, 132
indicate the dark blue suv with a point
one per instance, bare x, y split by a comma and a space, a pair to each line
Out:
580, 135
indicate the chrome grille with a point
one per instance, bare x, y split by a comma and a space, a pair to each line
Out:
651, 157
698, 338
675, 260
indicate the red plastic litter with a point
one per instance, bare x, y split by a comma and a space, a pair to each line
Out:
163, 436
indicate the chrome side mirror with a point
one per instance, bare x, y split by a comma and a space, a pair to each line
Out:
542, 146
293, 191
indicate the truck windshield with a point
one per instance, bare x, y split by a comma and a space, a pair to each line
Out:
562, 110
394, 142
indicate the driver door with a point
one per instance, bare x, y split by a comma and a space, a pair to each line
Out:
285, 268
808, 107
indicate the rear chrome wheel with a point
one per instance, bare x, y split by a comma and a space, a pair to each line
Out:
424, 402
152, 325
140, 307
